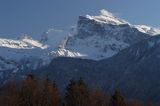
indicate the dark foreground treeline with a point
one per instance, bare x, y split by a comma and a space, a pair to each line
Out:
31, 92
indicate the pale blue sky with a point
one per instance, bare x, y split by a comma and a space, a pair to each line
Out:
36, 16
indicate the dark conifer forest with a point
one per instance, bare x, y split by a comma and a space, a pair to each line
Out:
32, 92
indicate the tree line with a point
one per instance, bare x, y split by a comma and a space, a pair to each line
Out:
32, 92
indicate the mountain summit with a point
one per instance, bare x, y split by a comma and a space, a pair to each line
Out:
107, 18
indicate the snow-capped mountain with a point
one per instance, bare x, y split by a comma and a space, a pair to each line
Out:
99, 37
94, 37
13, 51
102, 36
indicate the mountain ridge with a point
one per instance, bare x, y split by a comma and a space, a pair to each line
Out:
100, 40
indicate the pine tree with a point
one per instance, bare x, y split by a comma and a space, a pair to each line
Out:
77, 94
50, 94
29, 93
9, 96
98, 98
70, 93
117, 99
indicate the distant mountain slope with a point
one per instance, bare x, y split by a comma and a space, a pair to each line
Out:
137, 69
134, 70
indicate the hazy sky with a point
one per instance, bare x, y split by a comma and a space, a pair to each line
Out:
36, 16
